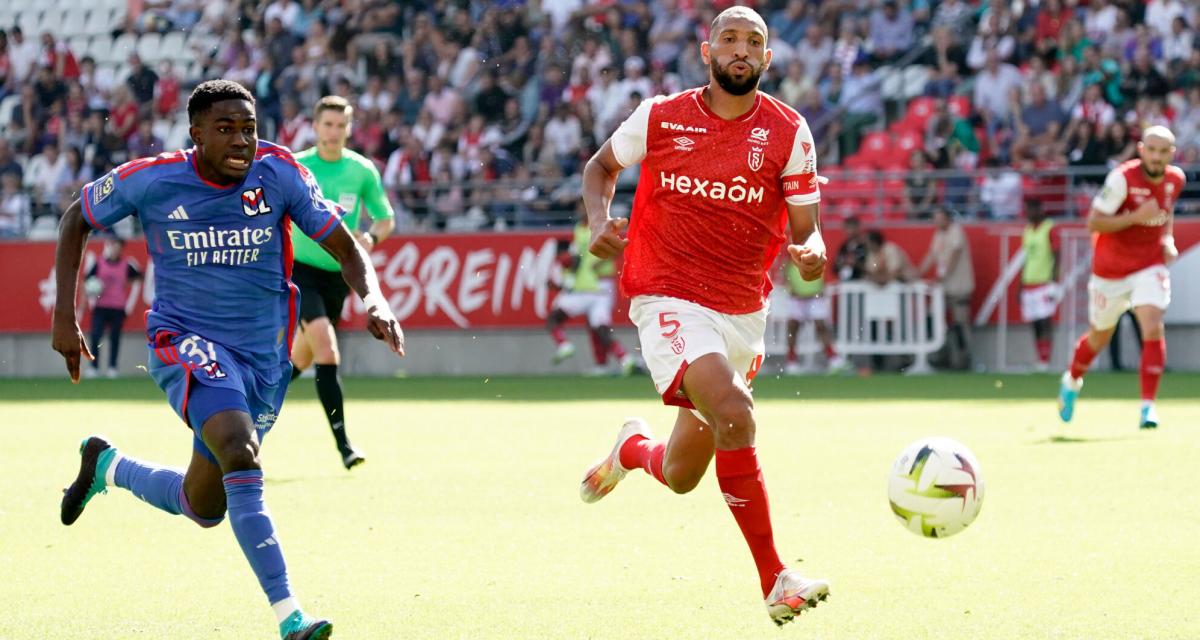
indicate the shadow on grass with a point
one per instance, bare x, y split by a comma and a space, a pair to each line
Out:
880, 387
1079, 440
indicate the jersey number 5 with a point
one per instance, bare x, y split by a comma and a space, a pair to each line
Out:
671, 326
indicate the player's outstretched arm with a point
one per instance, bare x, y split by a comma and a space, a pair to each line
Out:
599, 185
360, 275
67, 338
807, 249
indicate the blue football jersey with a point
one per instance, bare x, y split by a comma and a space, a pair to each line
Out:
222, 255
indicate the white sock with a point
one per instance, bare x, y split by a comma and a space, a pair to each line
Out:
110, 476
1147, 403
285, 608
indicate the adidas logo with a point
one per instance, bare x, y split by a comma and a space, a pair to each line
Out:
269, 542
178, 214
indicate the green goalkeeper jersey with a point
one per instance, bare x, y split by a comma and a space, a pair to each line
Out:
352, 182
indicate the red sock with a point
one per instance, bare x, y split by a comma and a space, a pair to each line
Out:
559, 335
829, 352
640, 451
617, 350
1083, 357
1043, 350
741, 483
1154, 356
598, 352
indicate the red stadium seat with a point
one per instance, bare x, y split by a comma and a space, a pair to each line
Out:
876, 146
959, 106
909, 141
920, 110
860, 162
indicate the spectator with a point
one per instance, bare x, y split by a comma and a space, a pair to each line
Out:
920, 189
1117, 145
442, 102
1041, 123
956, 16
790, 23
58, 58
44, 176
950, 256
1001, 191
670, 30
886, 262
851, 260
564, 134
8, 163
15, 207
141, 80
1161, 14
22, 55
993, 85
1177, 41
78, 174
166, 92
817, 48
863, 102
115, 272
891, 32
143, 143
123, 119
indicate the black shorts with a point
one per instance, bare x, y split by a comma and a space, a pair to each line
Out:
322, 293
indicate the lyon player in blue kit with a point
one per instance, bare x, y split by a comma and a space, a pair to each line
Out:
217, 220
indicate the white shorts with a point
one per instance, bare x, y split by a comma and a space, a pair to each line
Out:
1039, 301
596, 305
806, 309
674, 333
1109, 298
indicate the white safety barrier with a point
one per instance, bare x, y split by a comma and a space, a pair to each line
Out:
870, 319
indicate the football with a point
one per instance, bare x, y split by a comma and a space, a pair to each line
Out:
93, 287
936, 487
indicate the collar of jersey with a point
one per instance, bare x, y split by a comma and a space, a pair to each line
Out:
196, 171
698, 96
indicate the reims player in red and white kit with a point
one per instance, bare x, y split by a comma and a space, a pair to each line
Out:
1131, 220
726, 172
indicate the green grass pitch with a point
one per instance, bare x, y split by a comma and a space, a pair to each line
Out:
466, 523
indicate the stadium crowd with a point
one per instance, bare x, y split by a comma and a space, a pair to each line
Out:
481, 114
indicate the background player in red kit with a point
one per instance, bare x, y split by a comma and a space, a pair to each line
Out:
1131, 221
725, 171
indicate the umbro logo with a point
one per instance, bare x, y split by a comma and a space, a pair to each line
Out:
733, 500
269, 542
178, 214
683, 143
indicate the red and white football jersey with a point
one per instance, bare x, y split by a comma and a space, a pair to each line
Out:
1116, 255
709, 216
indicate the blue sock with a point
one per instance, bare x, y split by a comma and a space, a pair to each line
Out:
256, 533
159, 486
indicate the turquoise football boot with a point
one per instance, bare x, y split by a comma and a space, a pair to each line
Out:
1149, 417
301, 627
96, 455
1068, 391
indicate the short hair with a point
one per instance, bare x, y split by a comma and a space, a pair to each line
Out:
737, 11
206, 94
333, 103
1160, 132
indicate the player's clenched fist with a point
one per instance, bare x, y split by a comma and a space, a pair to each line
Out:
811, 262
607, 240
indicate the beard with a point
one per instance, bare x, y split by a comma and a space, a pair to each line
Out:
730, 84
1157, 172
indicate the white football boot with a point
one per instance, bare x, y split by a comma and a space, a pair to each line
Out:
793, 594
602, 477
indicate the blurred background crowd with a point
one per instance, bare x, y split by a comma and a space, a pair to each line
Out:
481, 114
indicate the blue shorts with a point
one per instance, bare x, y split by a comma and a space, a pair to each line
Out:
202, 378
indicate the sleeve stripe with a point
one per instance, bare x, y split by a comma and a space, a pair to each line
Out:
320, 235
87, 208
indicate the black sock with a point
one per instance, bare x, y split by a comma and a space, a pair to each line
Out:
329, 390
296, 372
